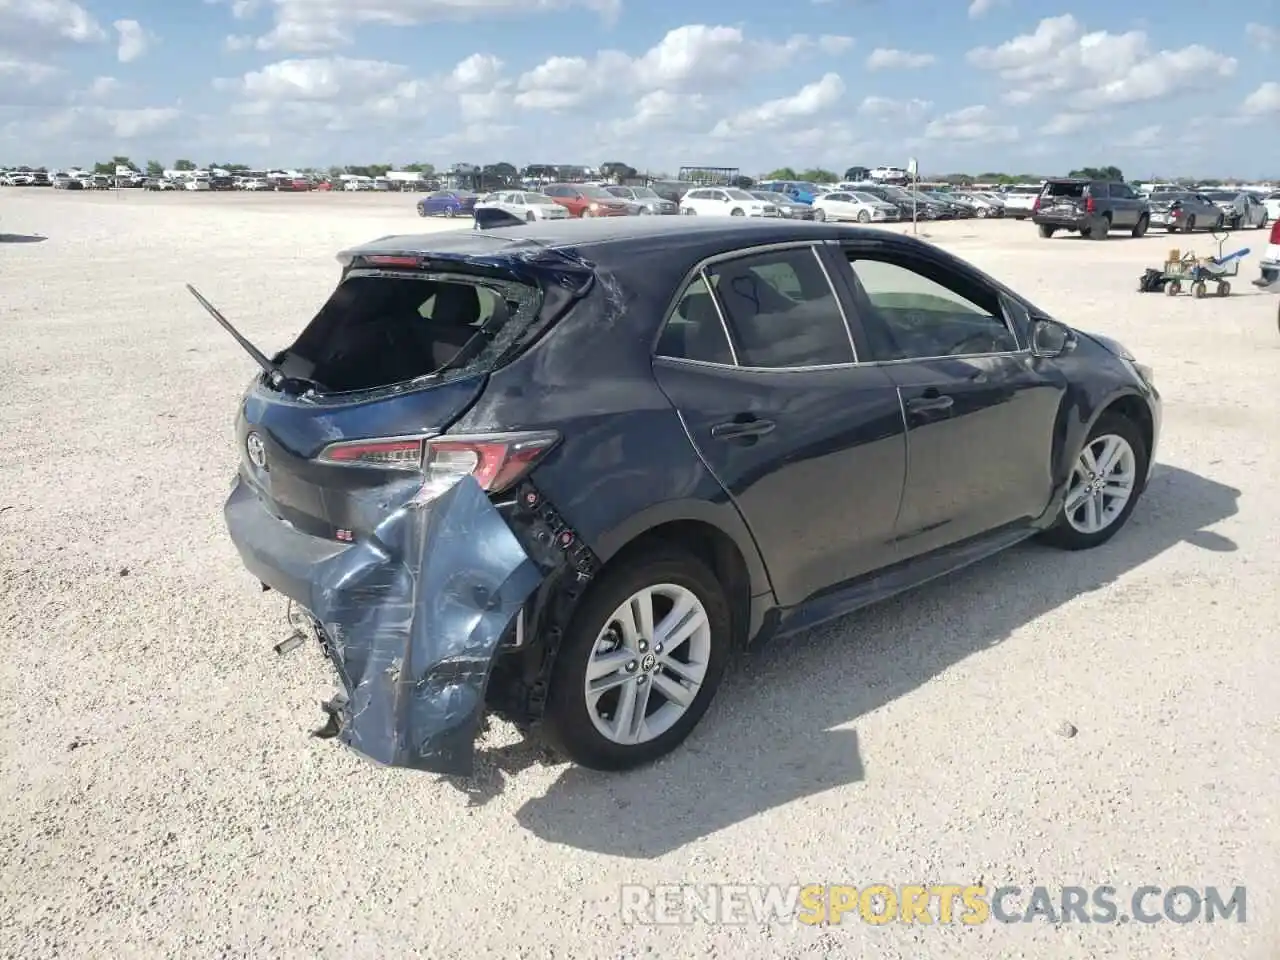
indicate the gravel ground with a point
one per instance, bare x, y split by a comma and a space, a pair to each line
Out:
161, 796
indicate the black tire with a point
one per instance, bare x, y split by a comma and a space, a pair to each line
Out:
450, 212
820, 215
690, 212
1220, 222
1265, 219
568, 724
1047, 231
529, 217
735, 212
1189, 225
864, 216
422, 211
1066, 537
1101, 229
1141, 229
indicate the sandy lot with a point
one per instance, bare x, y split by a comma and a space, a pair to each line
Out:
161, 796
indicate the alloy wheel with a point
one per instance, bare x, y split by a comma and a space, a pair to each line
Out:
1102, 483
648, 664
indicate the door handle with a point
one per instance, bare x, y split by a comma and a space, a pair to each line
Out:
930, 404
738, 429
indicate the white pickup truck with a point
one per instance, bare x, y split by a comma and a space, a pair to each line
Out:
1020, 199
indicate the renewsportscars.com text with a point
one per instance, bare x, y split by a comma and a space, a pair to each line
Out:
967, 904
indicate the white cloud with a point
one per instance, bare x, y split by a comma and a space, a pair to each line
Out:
40, 23
886, 108
102, 87
1265, 100
97, 122
1144, 138
134, 41
835, 43
1061, 124
477, 71
317, 26
884, 58
24, 72
691, 58
236, 42
317, 80
1060, 59
980, 8
970, 124
1265, 38
808, 101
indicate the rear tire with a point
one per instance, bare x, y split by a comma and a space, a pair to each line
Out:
1071, 531
1101, 230
450, 212
529, 217
595, 634
1189, 225
1047, 231
1141, 229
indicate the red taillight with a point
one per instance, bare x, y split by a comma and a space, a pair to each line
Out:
1035, 205
384, 261
496, 460
396, 454
1275, 232
1090, 206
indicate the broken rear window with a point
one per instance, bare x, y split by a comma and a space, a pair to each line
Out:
1072, 190
379, 329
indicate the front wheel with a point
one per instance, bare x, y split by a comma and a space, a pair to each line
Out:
1106, 482
864, 216
530, 217
820, 215
1189, 225
640, 662
737, 213
422, 211
1141, 229
450, 212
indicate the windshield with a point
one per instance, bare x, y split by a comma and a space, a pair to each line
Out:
866, 198
538, 199
739, 195
1220, 195
1170, 197
596, 193
771, 197
805, 187
620, 192
644, 193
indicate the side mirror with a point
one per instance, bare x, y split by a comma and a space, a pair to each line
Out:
1050, 338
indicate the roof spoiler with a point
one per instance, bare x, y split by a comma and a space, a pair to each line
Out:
489, 217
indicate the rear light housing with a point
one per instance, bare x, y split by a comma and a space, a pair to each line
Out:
1035, 205
1275, 233
496, 460
1090, 206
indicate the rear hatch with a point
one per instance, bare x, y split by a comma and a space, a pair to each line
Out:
401, 349
1063, 197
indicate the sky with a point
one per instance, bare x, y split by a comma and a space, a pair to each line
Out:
1161, 88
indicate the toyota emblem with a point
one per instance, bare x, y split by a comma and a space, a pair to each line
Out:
257, 451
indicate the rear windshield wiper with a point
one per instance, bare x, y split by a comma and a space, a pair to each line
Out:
275, 376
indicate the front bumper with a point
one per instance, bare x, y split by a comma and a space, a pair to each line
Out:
411, 618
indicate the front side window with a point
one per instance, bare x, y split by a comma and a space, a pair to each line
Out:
781, 311
918, 311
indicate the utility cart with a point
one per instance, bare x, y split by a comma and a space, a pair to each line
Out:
1193, 273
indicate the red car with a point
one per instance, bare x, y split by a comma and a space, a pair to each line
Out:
584, 201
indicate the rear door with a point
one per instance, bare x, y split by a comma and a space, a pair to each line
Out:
1126, 207
758, 358
980, 410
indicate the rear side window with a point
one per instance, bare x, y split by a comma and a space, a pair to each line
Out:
781, 310
694, 331
377, 330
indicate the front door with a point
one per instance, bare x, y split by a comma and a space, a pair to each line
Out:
980, 410
810, 446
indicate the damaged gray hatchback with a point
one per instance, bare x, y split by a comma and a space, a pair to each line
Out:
559, 471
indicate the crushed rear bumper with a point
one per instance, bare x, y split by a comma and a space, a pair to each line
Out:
411, 618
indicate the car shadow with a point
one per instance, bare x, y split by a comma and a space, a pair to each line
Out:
21, 238
778, 729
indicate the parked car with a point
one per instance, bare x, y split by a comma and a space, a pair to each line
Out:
856, 207
800, 191
725, 202
475, 516
900, 199
931, 208
448, 203
1269, 263
66, 182
646, 200
672, 190
791, 209
585, 200
162, 184
1272, 204
1092, 208
1243, 210
1019, 199
954, 205
255, 184
984, 205
527, 206
1185, 212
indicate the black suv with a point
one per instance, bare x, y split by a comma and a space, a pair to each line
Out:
1092, 208
562, 470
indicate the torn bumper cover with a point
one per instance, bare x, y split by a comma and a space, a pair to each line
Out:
410, 617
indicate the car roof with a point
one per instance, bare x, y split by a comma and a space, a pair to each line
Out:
613, 242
